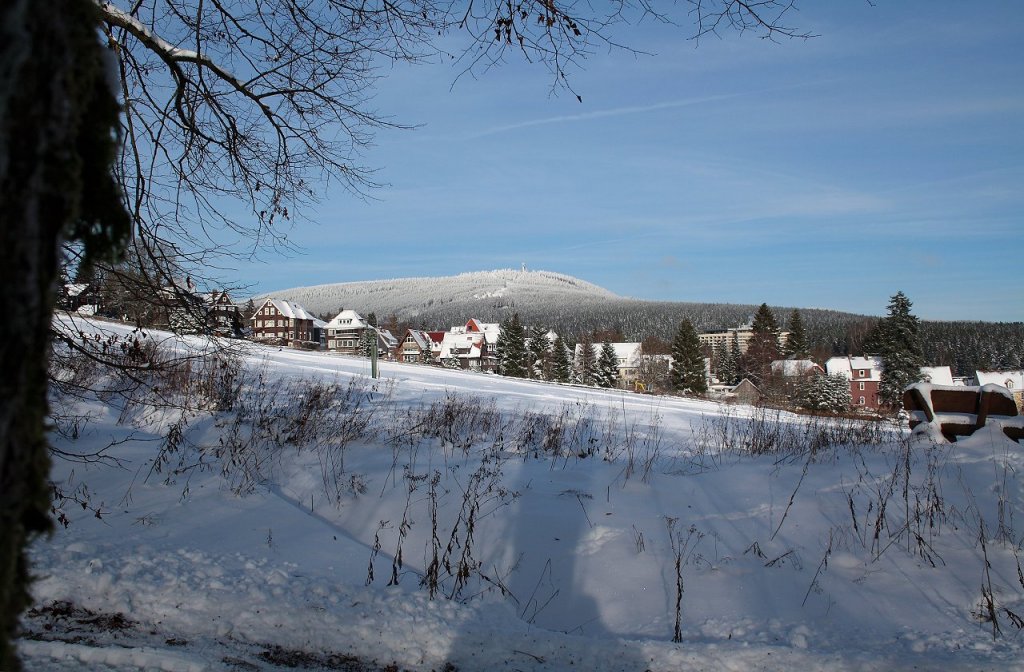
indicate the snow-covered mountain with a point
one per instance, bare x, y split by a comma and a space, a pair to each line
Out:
469, 293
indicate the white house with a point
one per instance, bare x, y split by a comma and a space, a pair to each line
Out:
345, 332
627, 357
937, 375
1011, 380
472, 346
472, 351
795, 368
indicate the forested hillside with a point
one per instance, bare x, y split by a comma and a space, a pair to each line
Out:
572, 307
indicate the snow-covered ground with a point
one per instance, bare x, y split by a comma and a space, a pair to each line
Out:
556, 516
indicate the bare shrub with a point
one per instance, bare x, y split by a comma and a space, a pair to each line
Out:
459, 421
304, 415
769, 431
683, 550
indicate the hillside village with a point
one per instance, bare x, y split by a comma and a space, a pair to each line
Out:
735, 363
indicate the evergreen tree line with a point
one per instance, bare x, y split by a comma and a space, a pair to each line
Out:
531, 353
963, 346
896, 338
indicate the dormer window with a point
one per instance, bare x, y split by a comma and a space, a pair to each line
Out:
861, 373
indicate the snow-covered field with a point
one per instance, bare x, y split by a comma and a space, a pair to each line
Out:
441, 520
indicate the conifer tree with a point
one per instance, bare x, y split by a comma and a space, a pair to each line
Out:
607, 366
366, 342
426, 355
688, 373
729, 372
825, 393
561, 367
368, 336
873, 340
512, 348
248, 310
539, 353
586, 362
763, 347
499, 355
796, 343
900, 349
719, 359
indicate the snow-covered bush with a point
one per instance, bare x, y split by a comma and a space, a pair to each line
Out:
824, 393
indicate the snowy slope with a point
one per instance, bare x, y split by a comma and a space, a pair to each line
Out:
568, 508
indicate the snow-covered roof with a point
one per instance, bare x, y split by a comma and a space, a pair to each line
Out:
290, 310
75, 288
215, 297
388, 338
1011, 380
791, 368
937, 375
490, 330
458, 341
348, 319
420, 338
845, 366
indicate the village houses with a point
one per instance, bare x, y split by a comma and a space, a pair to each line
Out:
474, 347
284, 323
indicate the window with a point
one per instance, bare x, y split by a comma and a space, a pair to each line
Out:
860, 401
861, 386
861, 373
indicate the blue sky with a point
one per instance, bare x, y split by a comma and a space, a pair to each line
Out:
885, 154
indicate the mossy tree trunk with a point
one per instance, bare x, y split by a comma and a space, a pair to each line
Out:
57, 137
